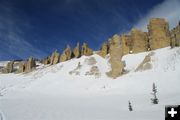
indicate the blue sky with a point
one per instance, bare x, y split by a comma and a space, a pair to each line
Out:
37, 27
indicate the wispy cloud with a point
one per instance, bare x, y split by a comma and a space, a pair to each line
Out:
13, 44
169, 9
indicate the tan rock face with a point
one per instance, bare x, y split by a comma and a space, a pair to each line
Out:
21, 67
139, 41
104, 50
30, 65
126, 43
116, 53
66, 54
8, 68
46, 61
86, 50
159, 36
55, 58
63, 57
76, 51
175, 36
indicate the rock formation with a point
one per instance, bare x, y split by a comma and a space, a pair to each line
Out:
90, 61
175, 36
76, 51
116, 53
30, 65
159, 36
146, 63
86, 50
76, 71
8, 68
94, 71
126, 43
46, 61
139, 41
104, 50
21, 67
55, 58
66, 54
63, 57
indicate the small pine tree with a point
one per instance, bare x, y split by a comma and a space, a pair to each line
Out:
130, 106
154, 100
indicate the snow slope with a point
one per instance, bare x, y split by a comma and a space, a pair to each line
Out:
51, 93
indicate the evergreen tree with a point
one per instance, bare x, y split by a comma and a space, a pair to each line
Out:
154, 100
130, 106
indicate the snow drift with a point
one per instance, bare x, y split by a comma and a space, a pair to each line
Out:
52, 93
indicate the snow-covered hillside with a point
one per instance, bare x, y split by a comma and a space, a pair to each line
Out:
66, 92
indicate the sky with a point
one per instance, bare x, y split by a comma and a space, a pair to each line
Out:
38, 27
